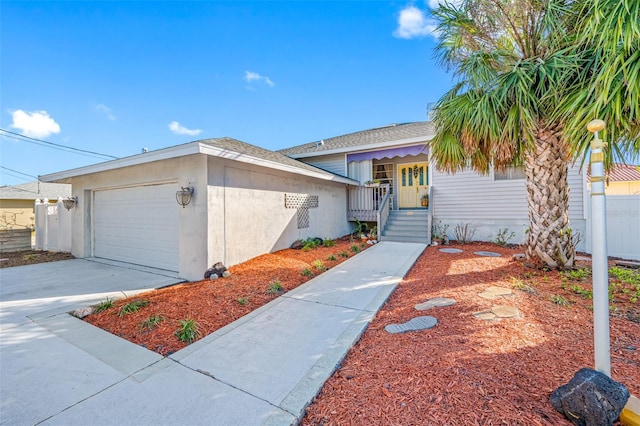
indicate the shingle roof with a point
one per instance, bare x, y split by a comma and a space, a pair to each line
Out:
621, 173
240, 147
33, 190
393, 132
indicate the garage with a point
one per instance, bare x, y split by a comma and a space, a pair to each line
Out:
137, 225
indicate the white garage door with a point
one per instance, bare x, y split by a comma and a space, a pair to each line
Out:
137, 225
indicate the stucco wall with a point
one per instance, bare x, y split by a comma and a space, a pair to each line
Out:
250, 199
182, 171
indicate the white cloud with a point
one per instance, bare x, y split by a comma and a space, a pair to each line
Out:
413, 23
106, 111
178, 129
251, 76
35, 124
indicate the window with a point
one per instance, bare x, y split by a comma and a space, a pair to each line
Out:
509, 173
384, 173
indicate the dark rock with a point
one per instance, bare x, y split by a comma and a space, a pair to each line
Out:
217, 269
297, 244
590, 398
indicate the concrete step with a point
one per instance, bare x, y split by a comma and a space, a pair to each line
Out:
406, 227
399, 239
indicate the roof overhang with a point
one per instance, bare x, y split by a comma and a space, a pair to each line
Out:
367, 147
190, 149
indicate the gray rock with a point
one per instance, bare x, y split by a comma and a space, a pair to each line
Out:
217, 269
590, 398
226, 274
297, 244
82, 312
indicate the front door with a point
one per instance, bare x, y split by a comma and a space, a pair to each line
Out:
412, 184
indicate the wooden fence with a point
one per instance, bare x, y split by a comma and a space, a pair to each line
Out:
15, 240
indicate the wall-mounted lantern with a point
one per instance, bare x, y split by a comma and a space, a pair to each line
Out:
183, 197
70, 202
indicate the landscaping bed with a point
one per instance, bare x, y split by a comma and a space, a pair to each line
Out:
158, 319
30, 257
471, 371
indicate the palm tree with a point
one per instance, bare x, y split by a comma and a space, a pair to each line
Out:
531, 74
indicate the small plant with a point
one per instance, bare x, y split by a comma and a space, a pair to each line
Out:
355, 248
463, 233
438, 230
580, 274
625, 275
361, 229
310, 244
343, 253
188, 331
327, 242
584, 293
331, 257
152, 322
243, 301
306, 272
275, 287
30, 256
319, 265
518, 284
559, 300
103, 306
503, 236
133, 306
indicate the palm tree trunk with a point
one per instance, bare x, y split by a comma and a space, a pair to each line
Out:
550, 240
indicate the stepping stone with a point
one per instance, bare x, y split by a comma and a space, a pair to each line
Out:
505, 311
494, 292
432, 303
487, 253
417, 323
485, 315
450, 250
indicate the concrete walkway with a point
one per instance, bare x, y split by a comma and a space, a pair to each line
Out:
262, 369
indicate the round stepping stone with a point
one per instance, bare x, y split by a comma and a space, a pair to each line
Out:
494, 292
484, 315
450, 250
487, 253
417, 323
432, 303
505, 311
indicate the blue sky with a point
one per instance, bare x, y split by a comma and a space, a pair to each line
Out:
114, 77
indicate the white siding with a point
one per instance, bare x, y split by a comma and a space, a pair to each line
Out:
332, 163
489, 206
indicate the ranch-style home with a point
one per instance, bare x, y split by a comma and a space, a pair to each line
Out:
189, 206
186, 207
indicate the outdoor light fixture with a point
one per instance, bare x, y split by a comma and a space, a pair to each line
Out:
415, 171
183, 197
70, 202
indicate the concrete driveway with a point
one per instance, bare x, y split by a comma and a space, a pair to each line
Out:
262, 369
46, 357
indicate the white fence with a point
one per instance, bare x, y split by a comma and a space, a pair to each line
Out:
53, 226
623, 226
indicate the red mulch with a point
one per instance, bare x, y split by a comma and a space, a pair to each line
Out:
466, 371
214, 304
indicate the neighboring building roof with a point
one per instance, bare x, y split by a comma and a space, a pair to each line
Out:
621, 173
35, 190
228, 148
394, 134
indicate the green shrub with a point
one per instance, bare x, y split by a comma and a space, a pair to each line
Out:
188, 331
103, 306
275, 287
319, 265
133, 306
152, 322
307, 272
